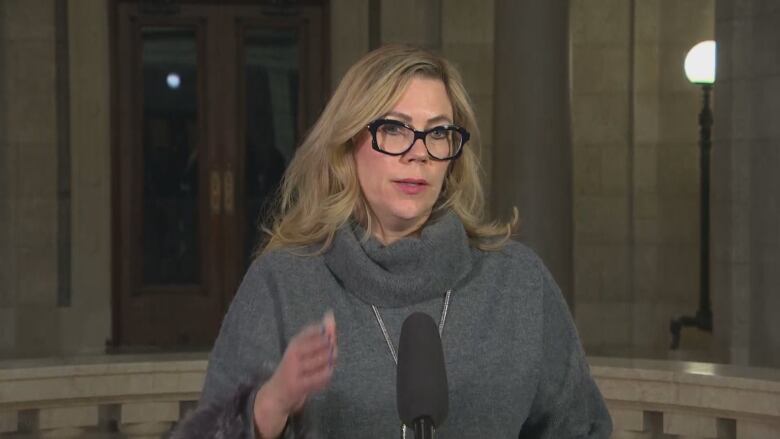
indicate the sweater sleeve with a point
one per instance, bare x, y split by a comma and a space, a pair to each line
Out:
567, 403
244, 356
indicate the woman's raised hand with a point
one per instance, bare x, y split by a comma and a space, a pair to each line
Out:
306, 367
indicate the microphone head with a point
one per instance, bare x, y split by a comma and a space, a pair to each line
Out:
421, 383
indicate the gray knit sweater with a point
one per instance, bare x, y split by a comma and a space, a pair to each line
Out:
514, 363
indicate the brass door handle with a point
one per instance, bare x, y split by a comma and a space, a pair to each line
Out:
229, 192
216, 193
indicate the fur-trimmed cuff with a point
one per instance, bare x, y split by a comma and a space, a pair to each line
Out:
233, 419
216, 420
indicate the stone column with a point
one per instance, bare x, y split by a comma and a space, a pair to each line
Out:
532, 165
86, 324
8, 283
745, 183
415, 22
467, 32
29, 317
349, 35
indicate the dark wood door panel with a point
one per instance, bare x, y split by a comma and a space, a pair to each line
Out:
168, 233
210, 101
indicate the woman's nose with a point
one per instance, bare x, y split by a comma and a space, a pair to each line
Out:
418, 151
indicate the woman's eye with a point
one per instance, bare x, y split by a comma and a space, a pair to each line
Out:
391, 129
438, 133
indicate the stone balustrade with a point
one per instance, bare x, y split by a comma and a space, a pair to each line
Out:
143, 396
674, 399
98, 397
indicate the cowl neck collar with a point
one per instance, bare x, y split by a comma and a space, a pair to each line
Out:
408, 271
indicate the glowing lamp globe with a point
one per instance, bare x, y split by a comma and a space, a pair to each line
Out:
700, 63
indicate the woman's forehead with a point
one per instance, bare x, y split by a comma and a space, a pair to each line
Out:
423, 100
403, 117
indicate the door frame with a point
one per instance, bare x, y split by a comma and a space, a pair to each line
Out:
226, 282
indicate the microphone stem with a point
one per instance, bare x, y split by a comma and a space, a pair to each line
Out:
423, 428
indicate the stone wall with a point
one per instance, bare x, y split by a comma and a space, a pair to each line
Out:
349, 35
467, 33
29, 316
635, 164
54, 178
636, 174
86, 323
745, 197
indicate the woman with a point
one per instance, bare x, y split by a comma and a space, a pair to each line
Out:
379, 216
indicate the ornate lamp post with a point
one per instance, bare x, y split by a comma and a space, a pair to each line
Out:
700, 70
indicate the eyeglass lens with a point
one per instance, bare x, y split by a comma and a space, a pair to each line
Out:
442, 142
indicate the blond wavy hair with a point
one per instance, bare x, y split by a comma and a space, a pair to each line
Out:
320, 191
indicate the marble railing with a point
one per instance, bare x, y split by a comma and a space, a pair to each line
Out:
143, 396
675, 399
98, 397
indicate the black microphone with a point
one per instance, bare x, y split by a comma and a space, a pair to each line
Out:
421, 385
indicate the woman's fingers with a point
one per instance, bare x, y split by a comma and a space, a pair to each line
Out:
307, 348
316, 355
318, 380
321, 359
329, 323
308, 362
334, 355
311, 333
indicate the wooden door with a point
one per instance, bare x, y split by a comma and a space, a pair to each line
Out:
210, 103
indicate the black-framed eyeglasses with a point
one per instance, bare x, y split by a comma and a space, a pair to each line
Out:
393, 137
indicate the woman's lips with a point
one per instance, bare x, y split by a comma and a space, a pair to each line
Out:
411, 186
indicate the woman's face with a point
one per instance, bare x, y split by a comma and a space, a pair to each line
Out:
401, 190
